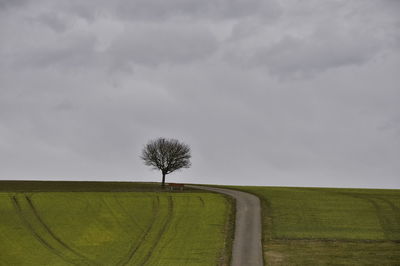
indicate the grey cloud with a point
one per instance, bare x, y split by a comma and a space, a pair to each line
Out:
391, 125
82, 45
302, 57
302, 44
72, 108
303, 127
5, 4
157, 9
155, 44
71, 53
54, 21
161, 10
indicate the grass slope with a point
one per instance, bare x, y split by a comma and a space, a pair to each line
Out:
113, 228
326, 226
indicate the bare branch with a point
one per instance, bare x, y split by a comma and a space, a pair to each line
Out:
166, 155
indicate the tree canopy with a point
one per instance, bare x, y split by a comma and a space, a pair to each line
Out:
166, 155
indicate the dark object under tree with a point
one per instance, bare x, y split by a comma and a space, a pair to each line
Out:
166, 155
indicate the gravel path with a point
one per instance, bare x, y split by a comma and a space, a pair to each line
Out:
247, 249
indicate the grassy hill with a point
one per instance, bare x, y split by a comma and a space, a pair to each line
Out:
79, 225
123, 223
326, 226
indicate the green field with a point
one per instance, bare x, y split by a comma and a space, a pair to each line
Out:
323, 226
120, 223
113, 228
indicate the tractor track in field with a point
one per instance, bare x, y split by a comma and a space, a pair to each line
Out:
41, 240
387, 223
136, 245
383, 221
50, 235
247, 248
175, 229
112, 212
161, 232
202, 201
122, 207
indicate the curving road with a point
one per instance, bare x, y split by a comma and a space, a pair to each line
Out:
247, 248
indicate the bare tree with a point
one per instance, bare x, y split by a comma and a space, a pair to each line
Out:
166, 155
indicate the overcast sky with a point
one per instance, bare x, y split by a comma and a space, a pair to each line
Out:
288, 93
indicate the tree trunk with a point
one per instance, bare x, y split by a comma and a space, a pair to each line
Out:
163, 180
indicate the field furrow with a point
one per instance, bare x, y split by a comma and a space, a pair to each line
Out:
42, 232
32, 230
389, 218
81, 259
131, 217
112, 228
328, 226
139, 242
156, 240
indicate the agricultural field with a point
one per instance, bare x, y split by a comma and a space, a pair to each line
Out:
323, 226
113, 228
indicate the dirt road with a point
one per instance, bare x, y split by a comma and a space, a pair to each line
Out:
247, 249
